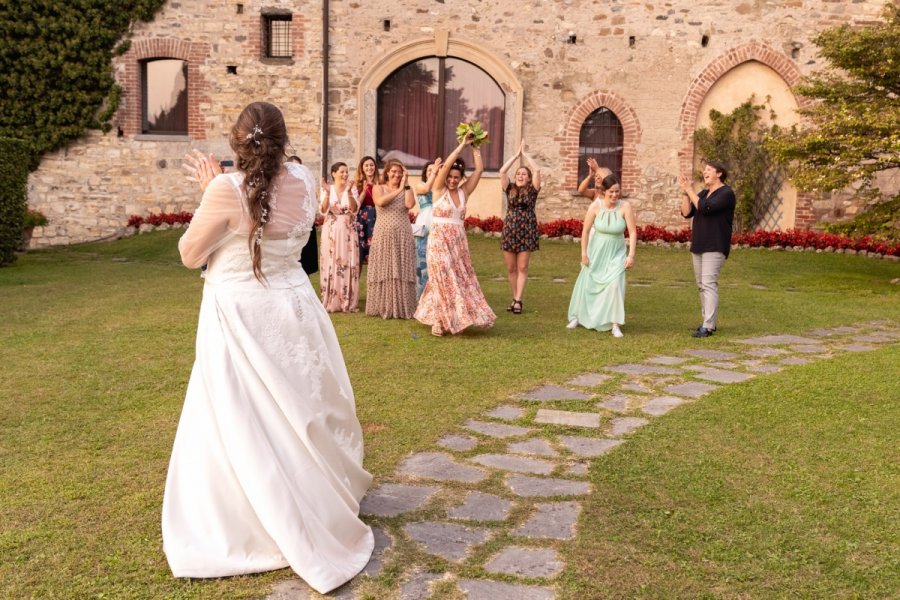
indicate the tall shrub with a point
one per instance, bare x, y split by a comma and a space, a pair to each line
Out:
56, 78
13, 196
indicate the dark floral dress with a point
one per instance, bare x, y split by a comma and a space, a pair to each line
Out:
520, 227
365, 223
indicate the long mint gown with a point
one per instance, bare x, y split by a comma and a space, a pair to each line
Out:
598, 299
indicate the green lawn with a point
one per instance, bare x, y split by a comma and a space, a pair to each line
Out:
97, 345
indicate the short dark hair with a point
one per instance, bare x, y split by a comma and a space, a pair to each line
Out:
295, 159
720, 168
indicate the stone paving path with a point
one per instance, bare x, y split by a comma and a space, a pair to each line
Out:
484, 515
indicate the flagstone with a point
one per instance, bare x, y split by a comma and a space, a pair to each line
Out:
447, 540
765, 368
766, 351
722, 376
588, 447
724, 364
564, 417
440, 467
292, 589
795, 360
553, 392
634, 386
710, 354
625, 425
526, 562
615, 403
877, 338
383, 542
809, 348
578, 469
519, 464
508, 412
392, 499
588, 380
484, 589
460, 443
479, 506
636, 369
667, 360
419, 587
768, 340
536, 487
691, 389
856, 347
537, 446
661, 405
496, 430
552, 520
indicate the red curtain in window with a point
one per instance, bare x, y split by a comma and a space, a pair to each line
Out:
407, 114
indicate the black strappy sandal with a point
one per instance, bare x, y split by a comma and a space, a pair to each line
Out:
517, 307
511, 305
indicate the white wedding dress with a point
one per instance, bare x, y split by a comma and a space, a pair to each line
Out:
266, 469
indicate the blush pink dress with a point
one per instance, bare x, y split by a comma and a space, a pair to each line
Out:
340, 256
452, 299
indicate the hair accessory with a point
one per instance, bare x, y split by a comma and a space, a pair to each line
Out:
254, 135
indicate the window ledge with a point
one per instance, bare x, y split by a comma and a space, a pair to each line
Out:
269, 60
158, 137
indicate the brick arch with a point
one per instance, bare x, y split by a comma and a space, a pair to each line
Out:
194, 53
704, 81
631, 129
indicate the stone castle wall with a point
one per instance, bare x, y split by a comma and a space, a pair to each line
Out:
650, 62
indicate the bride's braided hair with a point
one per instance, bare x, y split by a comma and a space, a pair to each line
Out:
258, 139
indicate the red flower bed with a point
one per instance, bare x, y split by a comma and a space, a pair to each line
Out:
804, 238
159, 219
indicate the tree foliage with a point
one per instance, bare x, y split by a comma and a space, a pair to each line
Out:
56, 77
13, 194
737, 139
853, 124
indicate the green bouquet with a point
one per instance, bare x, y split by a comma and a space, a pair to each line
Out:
479, 135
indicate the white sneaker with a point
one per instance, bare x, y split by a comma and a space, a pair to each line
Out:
572, 324
616, 332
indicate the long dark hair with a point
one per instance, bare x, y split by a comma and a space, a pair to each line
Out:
258, 139
361, 176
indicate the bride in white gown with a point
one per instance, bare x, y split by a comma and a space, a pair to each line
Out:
266, 469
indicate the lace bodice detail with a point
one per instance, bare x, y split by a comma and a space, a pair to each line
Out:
219, 233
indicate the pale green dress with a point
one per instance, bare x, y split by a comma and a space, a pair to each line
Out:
598, 299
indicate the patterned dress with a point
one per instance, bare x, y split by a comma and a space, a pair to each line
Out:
420, 231
520, 227
365, 222
340, 256
391, 277
598, 299
452, 299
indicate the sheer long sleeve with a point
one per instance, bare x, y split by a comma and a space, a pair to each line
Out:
215, 221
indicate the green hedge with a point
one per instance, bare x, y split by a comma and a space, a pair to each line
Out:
14, 161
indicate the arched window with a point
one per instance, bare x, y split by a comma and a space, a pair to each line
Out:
164, 98
602, 139
421, 103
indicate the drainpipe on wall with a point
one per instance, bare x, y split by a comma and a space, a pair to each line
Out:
325, 88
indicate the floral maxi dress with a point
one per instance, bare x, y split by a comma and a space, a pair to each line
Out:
340, 256
452, 300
